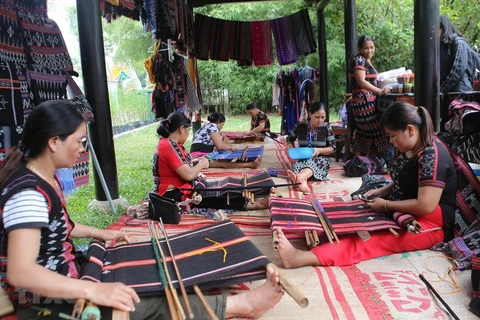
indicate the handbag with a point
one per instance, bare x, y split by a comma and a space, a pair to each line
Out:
163, 207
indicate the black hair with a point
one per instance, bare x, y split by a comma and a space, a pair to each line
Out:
448, 29
316, 106
49, 119
250, 106
174, 121
216, 117
401, 114
362, 40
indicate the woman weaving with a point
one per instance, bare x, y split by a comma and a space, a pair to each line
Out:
174, 170
36, 231
316, 134
208, 137
424, 185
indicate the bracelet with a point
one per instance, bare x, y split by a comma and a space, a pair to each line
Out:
386, 209
93, 232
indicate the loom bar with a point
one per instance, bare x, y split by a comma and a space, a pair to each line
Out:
290, 288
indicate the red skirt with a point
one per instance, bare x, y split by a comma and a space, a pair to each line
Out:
354, 250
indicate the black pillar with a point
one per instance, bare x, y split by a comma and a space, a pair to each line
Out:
96, 90
322, 60
350, 20
427, 57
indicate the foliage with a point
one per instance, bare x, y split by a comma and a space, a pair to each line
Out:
464, 15
126, 43
128, 107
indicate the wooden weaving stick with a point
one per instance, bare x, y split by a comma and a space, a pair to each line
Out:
176, 312
322, 222
205, 304
318, 205
177, 271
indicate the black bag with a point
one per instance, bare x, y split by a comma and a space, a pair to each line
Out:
163, 207
360, 165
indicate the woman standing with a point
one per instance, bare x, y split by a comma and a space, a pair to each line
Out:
456, 70
316, 134
368, 136
424, 185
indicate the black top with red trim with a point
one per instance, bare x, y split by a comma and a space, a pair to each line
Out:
260, 118
432, 166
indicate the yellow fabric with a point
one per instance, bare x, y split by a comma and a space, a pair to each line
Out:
148, 63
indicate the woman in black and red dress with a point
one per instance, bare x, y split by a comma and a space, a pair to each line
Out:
368, 136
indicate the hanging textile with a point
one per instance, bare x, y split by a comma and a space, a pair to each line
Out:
203, 31
285, 44
126, 8
304, 37
11, 41
46, 84
11, 107
261, 43
10, 136
44, 42
193, 105
149, 23
32, 6
240, 46
220, 39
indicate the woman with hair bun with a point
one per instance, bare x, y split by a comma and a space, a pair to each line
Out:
208, 138
424, 184
174, 169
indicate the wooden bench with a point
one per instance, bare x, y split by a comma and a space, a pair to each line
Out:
342, 135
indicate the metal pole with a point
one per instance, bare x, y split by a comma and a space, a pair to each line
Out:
96, 90
427, 57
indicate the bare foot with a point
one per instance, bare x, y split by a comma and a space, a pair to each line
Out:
297, 178
259, 204
292, 257
255, 303
292, 175
255, 164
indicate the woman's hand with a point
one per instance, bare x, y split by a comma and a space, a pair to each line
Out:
374, 193
385, 90
107, 235
377, 205
203, 163
115, 295
233, 148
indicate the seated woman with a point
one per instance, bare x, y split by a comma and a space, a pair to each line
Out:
175, 170
424, 185
36, 232
259, 122
208, 137
316, 134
